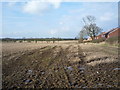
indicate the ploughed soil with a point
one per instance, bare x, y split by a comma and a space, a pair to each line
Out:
61, 66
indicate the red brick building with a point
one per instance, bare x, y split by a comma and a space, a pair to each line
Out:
100, 36
112, 33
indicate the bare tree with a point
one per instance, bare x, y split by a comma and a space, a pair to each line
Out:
90, 28
82, 34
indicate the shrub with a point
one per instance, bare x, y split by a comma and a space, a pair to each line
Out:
86, 41
35, 41
80, 40
29, 41
113, 40
20, 41
14, 40
98, 40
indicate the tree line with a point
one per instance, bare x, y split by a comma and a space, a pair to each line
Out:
35, 39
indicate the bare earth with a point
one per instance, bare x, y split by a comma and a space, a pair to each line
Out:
59, 65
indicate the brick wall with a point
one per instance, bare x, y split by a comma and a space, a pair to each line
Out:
114, 33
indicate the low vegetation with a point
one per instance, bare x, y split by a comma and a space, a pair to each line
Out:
113, 40
98, 40
109, 41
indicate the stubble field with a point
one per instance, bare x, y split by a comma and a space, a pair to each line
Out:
59, 65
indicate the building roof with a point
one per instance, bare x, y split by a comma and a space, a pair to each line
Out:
111, 30
106, 33
102, 33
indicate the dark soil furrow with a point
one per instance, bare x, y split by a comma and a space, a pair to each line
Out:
64, 62
59, 66
23, 64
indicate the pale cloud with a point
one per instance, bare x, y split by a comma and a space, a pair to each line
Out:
79, 10
52, 32
35, 7
65, 28
12, 3
91, 0
66, 0
40, 6
61, 23
55, 3
107, 17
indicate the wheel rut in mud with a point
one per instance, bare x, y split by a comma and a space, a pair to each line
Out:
51, 67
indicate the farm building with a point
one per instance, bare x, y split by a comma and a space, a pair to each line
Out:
102, 35
112, 33
89, 39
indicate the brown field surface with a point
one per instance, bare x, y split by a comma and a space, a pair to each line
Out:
64, 64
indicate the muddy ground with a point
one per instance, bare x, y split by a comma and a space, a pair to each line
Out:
60, 66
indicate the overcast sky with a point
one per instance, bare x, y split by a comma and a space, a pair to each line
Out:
54, 19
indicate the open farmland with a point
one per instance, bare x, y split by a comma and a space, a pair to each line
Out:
59, 65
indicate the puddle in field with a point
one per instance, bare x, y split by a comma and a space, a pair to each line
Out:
27, 81
85, 87
42, 73
109, 86
70, 68
116, 69
80, 68
99, 84
29, 72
